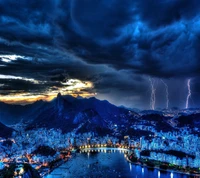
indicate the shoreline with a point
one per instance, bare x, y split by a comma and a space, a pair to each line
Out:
163, 170
57, 166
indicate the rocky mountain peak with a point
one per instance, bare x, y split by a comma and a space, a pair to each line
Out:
60, 101
59, 95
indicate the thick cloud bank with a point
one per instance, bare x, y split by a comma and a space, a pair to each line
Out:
115, 45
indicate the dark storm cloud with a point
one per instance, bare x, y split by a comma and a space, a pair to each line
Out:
121, 81
170, 51
66, 25
83, 39
146, 37
92, 30
16, 86
165, 12
20, 85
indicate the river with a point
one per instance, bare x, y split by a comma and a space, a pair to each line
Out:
106, 164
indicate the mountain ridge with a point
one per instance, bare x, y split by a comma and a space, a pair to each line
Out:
67, 113
90, 114
5, 131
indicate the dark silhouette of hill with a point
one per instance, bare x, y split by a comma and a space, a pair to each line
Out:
88, 114
68, 113
44, 151
5, 131
192, 120
12, 114
158, 121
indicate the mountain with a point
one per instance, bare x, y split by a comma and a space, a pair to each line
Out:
12, 114
82, 115
92, 115
91, 121
158, 121
192, 120
5, 131
149, 112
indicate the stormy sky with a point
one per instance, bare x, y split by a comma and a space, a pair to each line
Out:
110, 49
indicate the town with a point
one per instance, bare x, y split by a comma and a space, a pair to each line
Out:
44, 149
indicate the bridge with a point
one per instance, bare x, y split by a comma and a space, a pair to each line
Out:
118, 146
107, 148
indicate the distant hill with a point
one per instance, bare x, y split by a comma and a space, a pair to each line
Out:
151, 112
192, 120
65, 105
68, 113
5, 131
90, 114
159, 122
12, 114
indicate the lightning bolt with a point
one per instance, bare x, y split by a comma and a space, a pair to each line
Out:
167, 94
189, 93
153, 93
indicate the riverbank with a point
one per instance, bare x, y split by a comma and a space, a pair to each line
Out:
158, 168
56, 164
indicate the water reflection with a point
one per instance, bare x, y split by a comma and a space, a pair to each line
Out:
99, 163
130, 165
158, 174
142, 171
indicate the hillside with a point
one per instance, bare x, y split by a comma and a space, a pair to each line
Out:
83, 115
5, 131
